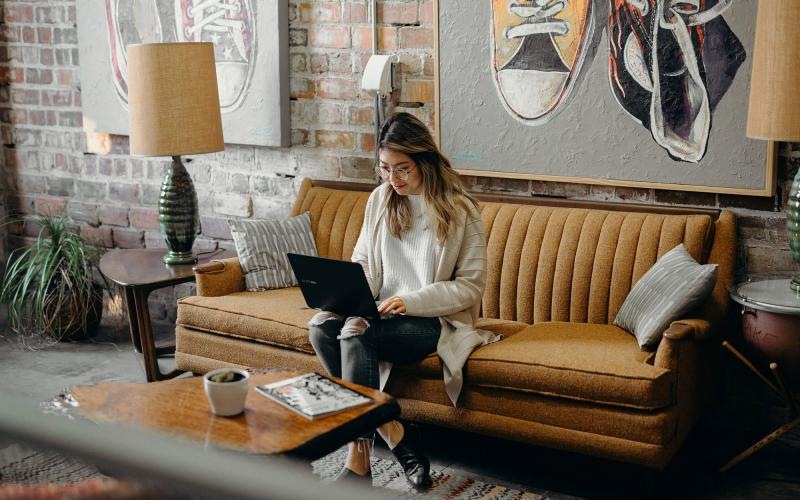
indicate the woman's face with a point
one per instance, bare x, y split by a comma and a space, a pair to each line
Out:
401, 171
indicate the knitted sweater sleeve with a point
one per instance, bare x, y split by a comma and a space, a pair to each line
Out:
364, 242
465, 289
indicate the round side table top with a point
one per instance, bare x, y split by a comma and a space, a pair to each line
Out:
144, 266
771, 295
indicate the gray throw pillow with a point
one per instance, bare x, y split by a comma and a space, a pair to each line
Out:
262, 246
675, 285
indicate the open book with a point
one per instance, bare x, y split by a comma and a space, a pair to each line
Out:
313, 395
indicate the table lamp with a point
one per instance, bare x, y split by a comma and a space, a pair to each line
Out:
174, 111
774, 109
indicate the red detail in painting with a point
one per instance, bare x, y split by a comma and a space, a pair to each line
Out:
229, 24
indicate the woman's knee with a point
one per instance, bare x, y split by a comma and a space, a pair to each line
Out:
324, 328
356, 336
354, 326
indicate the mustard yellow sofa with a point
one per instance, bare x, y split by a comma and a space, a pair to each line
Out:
563, 376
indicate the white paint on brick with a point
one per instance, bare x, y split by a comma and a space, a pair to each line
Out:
276, 161
271, 208
319, 166
239, 205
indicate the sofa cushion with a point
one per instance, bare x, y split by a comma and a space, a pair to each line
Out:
431, 366
598, 363
262, 246
671, 288
278, 317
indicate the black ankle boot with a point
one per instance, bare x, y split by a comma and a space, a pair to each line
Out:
416, 465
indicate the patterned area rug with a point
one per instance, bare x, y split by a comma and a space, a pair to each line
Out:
21, 465
28, 473
388, 474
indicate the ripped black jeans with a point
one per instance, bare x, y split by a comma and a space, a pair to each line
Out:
350, 349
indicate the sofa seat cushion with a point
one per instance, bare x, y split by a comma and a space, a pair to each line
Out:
583, 361
431, 366
278, 317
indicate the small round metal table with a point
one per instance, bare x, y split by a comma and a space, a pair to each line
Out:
140, 271
771, 329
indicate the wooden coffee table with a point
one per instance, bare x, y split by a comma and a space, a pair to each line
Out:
180, 407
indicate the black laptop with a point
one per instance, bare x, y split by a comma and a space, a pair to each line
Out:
337, 286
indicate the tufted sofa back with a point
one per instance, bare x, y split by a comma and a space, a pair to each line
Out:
549, 263
573, 264
336, 217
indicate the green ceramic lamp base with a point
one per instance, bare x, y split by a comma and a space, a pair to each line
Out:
174, 258
793, 226
178, 215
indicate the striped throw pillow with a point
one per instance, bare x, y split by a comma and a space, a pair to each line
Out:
675, 285
262, 246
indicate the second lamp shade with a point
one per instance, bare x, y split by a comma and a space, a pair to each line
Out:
774, 111
173, 99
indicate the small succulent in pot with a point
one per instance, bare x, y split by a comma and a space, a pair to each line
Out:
50, 287
226, 389
225, 376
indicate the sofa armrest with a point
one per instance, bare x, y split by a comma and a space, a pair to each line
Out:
689, 329
219, 277
679, 332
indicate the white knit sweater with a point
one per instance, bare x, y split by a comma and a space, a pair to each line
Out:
455, 294
411, 259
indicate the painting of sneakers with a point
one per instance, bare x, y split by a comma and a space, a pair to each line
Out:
250, 51
130, 22
670, 63
539, 49
229, 25
650, 94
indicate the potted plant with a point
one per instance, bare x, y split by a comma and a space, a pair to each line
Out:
49, 286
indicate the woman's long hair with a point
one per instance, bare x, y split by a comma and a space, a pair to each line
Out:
442, 188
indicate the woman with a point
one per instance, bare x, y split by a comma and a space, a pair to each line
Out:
423, 250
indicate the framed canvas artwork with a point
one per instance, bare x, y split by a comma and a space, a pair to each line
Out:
251, 53
642, 93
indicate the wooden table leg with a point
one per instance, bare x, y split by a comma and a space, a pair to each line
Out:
784, 392
133, 323
149, 351
746, 362
776, 434
788, 396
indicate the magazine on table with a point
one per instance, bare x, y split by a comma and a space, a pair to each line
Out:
313, 395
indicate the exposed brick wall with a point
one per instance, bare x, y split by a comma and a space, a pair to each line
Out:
113, 196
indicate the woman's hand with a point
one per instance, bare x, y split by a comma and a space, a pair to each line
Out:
392, 306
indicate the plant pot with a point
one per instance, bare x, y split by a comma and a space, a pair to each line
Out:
226, 399
77, 322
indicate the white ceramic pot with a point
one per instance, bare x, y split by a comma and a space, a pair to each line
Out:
226, 399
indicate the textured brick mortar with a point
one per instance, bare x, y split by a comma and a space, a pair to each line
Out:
113, 196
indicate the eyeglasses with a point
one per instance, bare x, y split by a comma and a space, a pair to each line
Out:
386, 173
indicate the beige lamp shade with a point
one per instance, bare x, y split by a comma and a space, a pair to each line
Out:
774, 110
173, 100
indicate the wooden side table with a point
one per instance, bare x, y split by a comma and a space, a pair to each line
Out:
771, 326
140, 271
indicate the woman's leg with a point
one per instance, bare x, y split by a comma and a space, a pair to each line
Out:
401, 340
359, 352
404, 340
323, 330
